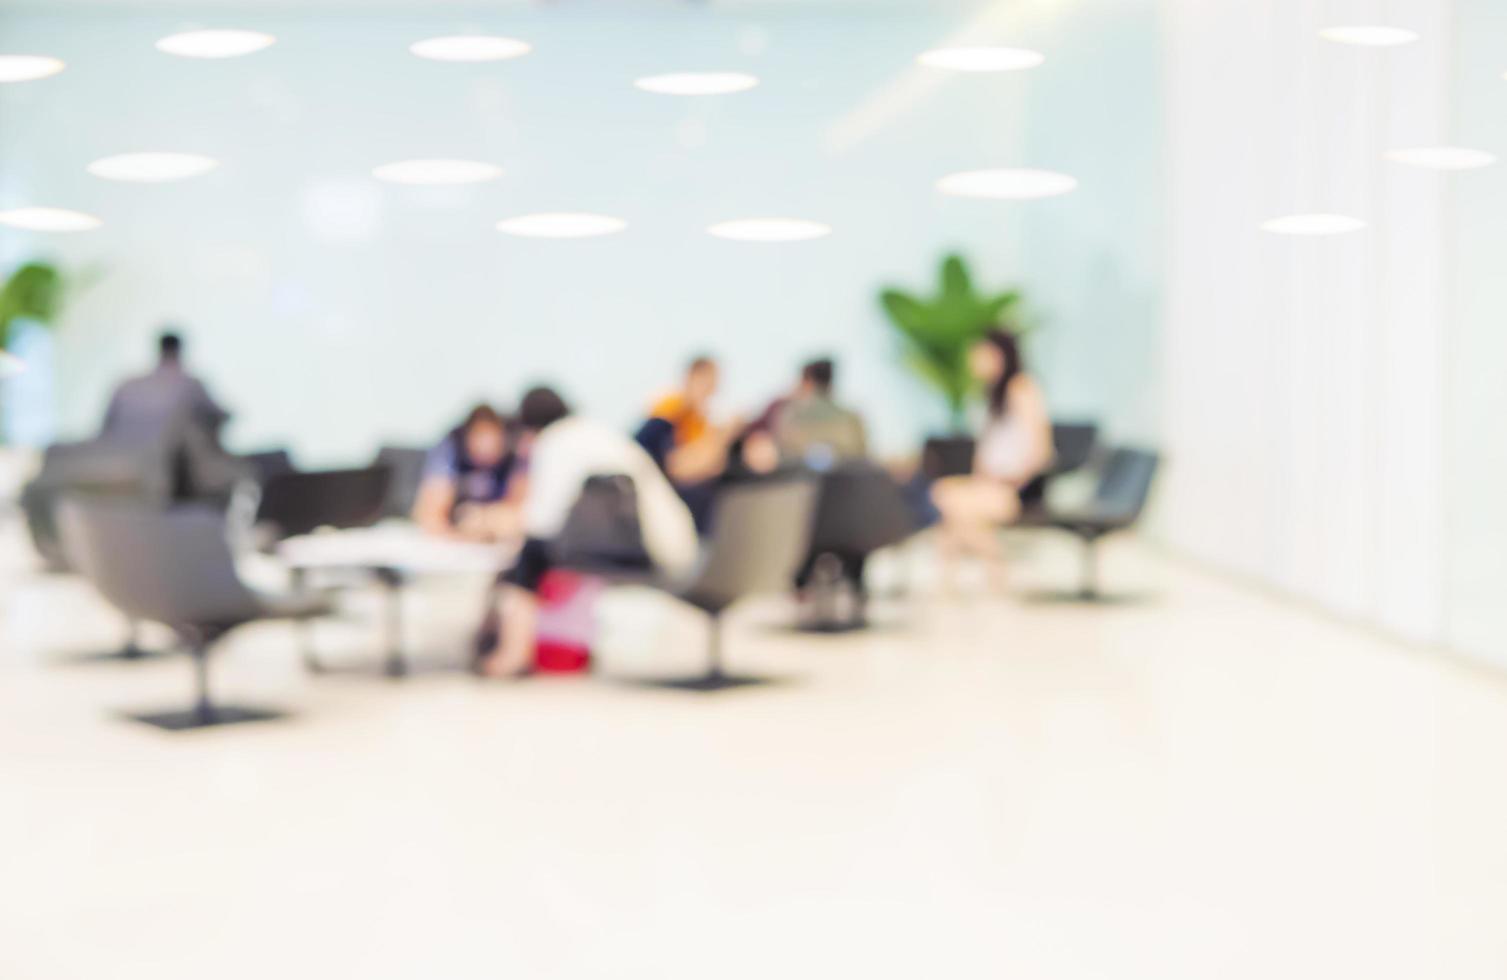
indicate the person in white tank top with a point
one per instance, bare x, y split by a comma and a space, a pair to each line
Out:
1014, 446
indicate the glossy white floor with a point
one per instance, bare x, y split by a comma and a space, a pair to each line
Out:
1206, 784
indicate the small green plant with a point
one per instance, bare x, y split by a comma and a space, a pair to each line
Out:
939, 331
33, 292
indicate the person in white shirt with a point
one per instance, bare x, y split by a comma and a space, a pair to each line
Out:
1013, 448
565, 452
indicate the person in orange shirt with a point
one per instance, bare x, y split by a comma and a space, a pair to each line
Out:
684, 409
691, 450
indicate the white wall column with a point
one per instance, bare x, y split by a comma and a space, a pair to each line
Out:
1304, 423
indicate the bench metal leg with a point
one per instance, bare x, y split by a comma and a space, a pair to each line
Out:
1088, 590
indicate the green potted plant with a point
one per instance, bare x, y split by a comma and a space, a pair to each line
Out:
938, 331
32, 293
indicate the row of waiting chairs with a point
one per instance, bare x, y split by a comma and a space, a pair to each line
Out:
294, 501
860, 511
175, 566
284, 500
1124, 479
291, 501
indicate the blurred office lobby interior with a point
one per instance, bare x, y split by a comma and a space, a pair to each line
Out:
992, 488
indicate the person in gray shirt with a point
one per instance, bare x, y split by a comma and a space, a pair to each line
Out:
154, 408
168, 414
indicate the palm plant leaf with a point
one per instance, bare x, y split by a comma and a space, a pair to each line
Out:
33, 292
937, 332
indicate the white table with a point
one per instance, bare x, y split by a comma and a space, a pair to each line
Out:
394, 554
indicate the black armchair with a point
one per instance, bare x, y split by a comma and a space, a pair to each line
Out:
1119, 499
860, 509
1073, 445
297, 503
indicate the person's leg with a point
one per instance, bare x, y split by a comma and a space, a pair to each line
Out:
701, 500
853, 568
518, 613
1008, 512
520, 619
973, 509
804, 573
947, 497
995, 505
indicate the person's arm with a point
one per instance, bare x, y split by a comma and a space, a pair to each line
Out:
761, 454
433, 504
657, 438
206, 409
702, 459
502, 520
707, 456
435, 501
518, 485
769, 417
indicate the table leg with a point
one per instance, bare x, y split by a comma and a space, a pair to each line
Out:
392, 583
305, 628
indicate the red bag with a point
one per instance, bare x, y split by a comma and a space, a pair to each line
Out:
567, 622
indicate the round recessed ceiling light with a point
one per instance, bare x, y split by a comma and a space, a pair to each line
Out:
981, 59
215, 44
1369, 35
48, 219
1313, 224
698, 83
152, 168
26, 67
1007, 184
10, 365
770, 230
1443, 157
470, 47
437, 172
561, 224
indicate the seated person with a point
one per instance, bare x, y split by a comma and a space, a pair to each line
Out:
1014, 447
565, 452
473, 481
146, 408
754, 453
169, 410
812, 428
691, 451
765, 421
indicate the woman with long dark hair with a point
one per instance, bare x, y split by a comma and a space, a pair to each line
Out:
1014, 446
